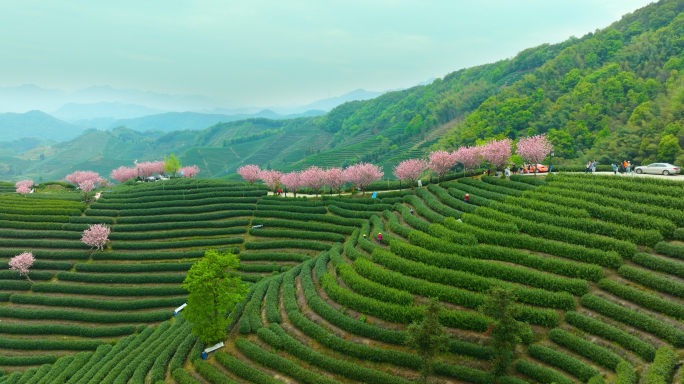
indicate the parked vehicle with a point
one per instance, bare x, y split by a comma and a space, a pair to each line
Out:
658, 169
538, 167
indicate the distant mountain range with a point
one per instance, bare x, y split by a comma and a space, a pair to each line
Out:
36, 124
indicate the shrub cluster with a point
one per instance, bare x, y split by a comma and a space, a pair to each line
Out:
472, 190
349, 222
30, 225
68, 330
644, 299
176, 234
591, 351
110, 305
511, 184
625, 373
652, 280
672, 250
177, 244
636, 319
528, 180
491, 187
178, 218
245, 370
439, 231
423, 210
83, 289
106, 205
184, 210
296, 244
370, 288
541, 374
565, 362
663, 366
394, 225
34, 218
28, 360
180, 225
359, 207
274, 256
47, 344
60, 314
90, 220
446, 198
310, 235
492, 222
43, 244
644, 350
321, 227
412, 219
292, 208
436, 205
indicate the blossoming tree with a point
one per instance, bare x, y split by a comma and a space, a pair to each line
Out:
21, 263
334, 179
498, 152
469, 157
249, 173
314, 178
533, 150
189, 171
123, 174
441, 162
96, 236
362, 175
271, 179
24, 186
292, 181
410, 170
85, 180
150, 168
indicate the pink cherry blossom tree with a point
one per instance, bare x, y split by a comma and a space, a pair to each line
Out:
334, 179
189, 171
150, 168
498, 152
292, 181
271, 179
21, 263
96, 236
410, 170
123, 174
250, 173
314, 178
362, 175
85, 180
469, 157
534, 149
24, 186
441, 162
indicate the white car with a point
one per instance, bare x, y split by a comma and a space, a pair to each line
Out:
658, 169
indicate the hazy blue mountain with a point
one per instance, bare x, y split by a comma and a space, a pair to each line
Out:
330, 103
146, 98
73, 112
36, 124
30, 97
174, 121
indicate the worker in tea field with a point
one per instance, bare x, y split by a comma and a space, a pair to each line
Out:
380, 237
467, 196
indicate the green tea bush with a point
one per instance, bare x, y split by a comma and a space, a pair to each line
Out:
660, 372
47, 344
274, 256
90, 220
636, 319
359, 207
155, 255
43, 244
110, 305
176, 234
541, 374
641, 348
296, 244
41, 264
672, 250
106, 205
510, 184
43, 211
41, 254
309, 235
83, 289
625, 374
34, 218
178, 217
394, 225
648, 196
550, 208
30, 225
246, 371
436, 205
293, 208
472, 190
350, 222
644, 299
180, 225
68, 330
210, 373
423, 210
90, 317
443, 233
412, 219
350, 213
181, 353
528, 180
651, 280
490, 222
565, 362
451, 201
184, 210
371, 288
121, 279
591, 351
34, 275
321, 227
130, 268
491, 187
177, 244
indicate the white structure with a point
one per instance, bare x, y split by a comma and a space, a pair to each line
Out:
213, 347
175, 311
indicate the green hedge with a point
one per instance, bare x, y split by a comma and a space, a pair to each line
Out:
626, 374
350, 213
528, 180
451, 201
672, 250
85, 289
491, 187
178, 218
359, 207
370, 288
154, 255
274, 256
550, 208
180, 225
565, 362
246, 371
106, 205
130, 268
412, 219
43, 244
68, 330
121, 278
660, 372
30, 225
302, 202
495, 221
34, 218
591, 351
443, 233
644, 299
90, 317
641, 348
293, 208
491, 252
176, 234
296, 244
210, 373
182, 352
90, 220
28, 360
41, 254
659, 264
350, 222
569, 251
651, 280
394, 225
41, 264
109, 305
541, 374
184, 210
436, 205
309, 235
12, 285
34, 275
43, 211
657, 186
177, 244
636, 319
471, 190
423, 210
473, 200
511, 184
321, 227
46, 344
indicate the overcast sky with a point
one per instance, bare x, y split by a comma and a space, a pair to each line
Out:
268, 52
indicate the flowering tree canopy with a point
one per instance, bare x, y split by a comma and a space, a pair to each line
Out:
334, 178
22, 263
534, 149
122, 174
96, 236
441, 162
271, 179
292, 181
189, 171
498, 152
24, 186
410, 170
85, 180
249, 173
362, 174
313, 178
150, 168
469, 157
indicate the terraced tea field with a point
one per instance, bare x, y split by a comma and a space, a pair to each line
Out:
597, 264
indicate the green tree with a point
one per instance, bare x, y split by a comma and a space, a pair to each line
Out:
506, 332
212, 293
171, 164
429, 338
668, 148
